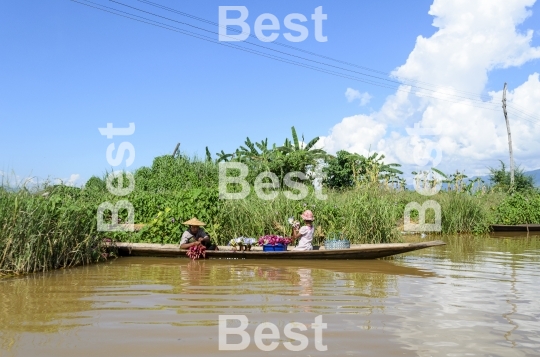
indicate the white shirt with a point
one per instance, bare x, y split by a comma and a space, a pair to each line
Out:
306, 236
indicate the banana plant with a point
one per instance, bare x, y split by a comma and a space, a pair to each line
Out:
222, 156
295, 146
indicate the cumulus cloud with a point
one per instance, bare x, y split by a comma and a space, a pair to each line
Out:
473, 38
73, 178
353, 94
10, 179
71, 181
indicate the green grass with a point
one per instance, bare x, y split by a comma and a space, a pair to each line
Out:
41, 233
52, 227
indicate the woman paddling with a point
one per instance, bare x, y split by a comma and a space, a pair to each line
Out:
305, 233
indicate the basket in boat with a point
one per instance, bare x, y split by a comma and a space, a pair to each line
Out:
338, 241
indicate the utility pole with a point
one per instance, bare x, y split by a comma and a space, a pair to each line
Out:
509, 138
175, 149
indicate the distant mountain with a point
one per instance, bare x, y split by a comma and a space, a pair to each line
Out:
535, 174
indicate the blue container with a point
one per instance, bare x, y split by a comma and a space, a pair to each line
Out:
274, 248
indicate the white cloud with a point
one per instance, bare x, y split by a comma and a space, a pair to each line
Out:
472, 39
353, 94
13, 180
71, 181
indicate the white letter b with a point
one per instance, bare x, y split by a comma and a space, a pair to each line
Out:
224, 331
224, 22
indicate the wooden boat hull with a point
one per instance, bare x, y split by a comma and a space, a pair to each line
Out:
516, 228
361, 251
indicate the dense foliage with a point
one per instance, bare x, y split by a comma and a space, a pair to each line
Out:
347, 170
519, 208
501, 179
56, 226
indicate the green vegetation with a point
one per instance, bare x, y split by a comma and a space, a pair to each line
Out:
501, 180
56, 226
39, 232
347, 170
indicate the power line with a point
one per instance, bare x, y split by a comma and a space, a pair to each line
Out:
289, 54
298, 49
515, 107
208, 39
212, 40
403, 79
270, 56
289, 46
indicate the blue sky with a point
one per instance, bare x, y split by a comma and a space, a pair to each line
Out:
68, 69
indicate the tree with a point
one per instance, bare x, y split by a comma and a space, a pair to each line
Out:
295, 146
339, 171
500, 179
293, 156
95, 183
350, 169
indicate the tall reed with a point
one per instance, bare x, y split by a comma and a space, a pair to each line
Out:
38, 233
363, 215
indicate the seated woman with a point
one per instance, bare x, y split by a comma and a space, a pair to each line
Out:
195, 235
305, 233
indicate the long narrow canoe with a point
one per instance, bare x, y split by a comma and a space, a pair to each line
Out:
516, 228
361, 251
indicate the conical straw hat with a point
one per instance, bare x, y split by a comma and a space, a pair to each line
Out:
194, 222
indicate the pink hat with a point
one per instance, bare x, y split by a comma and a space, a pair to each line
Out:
307, 215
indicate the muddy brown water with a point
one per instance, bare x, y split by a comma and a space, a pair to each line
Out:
472, 297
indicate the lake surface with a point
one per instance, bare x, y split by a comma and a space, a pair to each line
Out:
472, 297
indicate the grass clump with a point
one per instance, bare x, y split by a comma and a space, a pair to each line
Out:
39, 233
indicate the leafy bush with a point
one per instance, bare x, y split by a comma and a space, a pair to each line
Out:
166, 226
519, 208
500, 179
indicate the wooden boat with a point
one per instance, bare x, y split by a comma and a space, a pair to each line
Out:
360, 251
516, 228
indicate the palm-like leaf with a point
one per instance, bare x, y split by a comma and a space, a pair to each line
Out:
312, 143
222, 156
439, 172
295, 139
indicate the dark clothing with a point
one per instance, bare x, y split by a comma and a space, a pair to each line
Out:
188, 237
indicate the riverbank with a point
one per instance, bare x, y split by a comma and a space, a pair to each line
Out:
53, 227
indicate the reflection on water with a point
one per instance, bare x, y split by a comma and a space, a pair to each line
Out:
475, 296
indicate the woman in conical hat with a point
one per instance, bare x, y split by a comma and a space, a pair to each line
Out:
194, 222
195, 235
